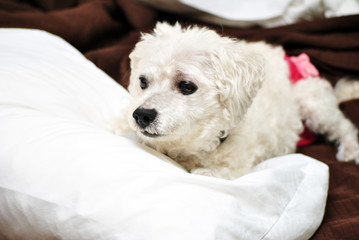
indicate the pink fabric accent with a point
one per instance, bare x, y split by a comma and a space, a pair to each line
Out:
301, 68
306, 137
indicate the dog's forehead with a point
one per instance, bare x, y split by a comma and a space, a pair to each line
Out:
191, 66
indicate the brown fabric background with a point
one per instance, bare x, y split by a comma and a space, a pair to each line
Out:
105, 31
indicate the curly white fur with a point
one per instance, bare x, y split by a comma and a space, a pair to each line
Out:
244, 94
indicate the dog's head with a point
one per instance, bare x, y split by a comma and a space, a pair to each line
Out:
190, 86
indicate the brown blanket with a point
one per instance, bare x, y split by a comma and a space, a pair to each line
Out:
105, 31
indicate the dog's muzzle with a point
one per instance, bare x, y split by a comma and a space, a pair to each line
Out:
144, 117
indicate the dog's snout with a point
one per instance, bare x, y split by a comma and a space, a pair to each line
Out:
144, 116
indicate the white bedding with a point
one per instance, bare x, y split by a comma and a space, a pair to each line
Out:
64, 175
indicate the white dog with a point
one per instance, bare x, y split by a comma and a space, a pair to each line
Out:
218, 106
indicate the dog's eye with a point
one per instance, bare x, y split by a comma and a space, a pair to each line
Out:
143, 82
187, 87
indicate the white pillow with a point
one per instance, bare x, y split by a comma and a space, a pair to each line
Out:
64, 175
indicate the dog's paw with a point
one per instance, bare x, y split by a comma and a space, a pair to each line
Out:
119, 125
206, 172
348, 150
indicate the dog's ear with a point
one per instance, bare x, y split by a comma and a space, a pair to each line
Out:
239, 75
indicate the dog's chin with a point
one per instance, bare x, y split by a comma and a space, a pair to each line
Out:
151, 135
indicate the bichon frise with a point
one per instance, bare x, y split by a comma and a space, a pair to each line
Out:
218, 105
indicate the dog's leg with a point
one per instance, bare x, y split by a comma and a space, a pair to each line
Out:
346, 89
119, 125
221, 172
206, 172
320, 112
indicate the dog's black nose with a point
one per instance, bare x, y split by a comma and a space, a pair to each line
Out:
144, 116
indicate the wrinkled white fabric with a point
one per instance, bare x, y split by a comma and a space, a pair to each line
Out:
244, 10
264, 13
64, 175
